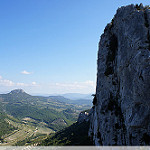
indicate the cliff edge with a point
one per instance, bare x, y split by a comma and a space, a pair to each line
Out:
121, 110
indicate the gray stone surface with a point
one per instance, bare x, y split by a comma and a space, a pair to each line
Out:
121, 113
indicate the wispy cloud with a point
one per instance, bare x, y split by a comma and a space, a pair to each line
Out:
21, 84
72, 87
26, 72
77, 85
34, 84
9, 83
34, 87
5, 82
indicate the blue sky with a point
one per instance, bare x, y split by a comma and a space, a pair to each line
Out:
50, 46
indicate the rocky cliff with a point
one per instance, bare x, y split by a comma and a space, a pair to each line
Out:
121, 111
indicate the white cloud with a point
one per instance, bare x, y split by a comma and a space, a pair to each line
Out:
34, 87
89, 83
34, 84
21, 84
26, 72
26, 85
9, 83
4, 82
77, 84
74, 87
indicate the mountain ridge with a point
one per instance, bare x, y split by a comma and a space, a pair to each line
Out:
21, 94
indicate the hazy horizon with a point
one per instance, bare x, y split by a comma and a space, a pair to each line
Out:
45, 94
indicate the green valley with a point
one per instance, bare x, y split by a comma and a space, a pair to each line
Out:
28, 120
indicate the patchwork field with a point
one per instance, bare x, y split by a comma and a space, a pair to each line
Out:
25, 131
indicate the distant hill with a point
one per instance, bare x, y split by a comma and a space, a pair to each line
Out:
17, 95
72, 101
76, 96
60, 99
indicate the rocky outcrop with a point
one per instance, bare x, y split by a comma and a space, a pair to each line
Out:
121, 111
17, 91
84, 116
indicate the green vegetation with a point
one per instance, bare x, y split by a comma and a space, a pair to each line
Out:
28, 120
5, 128
41, 114
76, 134
42, 109
33, 140
23, 131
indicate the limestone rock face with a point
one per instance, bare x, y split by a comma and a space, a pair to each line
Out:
121, 111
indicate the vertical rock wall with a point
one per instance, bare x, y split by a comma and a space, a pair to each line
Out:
121, 112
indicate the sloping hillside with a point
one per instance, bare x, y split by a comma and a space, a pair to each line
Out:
76, 134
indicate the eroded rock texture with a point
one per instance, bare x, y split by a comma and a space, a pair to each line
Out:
121, 111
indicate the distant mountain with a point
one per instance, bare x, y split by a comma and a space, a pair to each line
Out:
82, 102
70, 101
14, 96
61, 99
72, 98
17, 91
